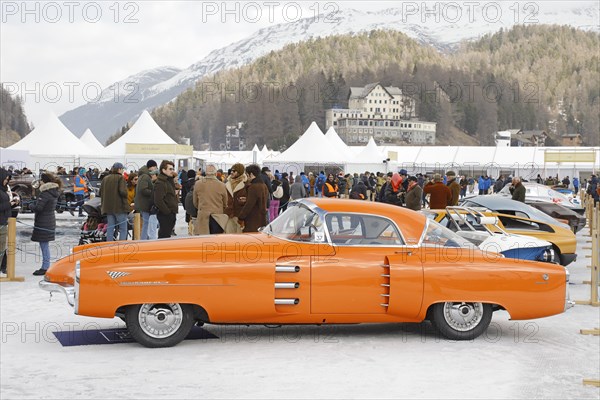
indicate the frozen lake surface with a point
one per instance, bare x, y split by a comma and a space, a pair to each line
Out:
545, 358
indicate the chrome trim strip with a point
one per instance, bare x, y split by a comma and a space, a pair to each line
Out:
287, 285
76, 288
286, 302
384, 305
67, 290
287, 268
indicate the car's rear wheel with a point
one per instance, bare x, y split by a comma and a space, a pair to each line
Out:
460, 320
159, 324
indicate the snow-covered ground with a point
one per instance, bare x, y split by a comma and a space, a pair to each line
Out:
545, 358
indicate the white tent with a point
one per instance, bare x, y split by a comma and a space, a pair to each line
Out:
370, 153
264, 151
312, 148
339, 144
144, 131
52, 138
91, 142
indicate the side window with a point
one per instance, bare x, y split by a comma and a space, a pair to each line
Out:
519, 224
358, 229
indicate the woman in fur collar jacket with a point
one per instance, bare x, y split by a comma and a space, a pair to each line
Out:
44, 225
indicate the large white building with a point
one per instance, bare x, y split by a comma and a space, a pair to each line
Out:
382, 112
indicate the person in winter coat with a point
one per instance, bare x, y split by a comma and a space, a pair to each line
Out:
5, 212
191, 212
393, 191
298, 190
454, 187
144, 195
165, 199
517, 190
254, 212
236, 197
388, 179
44, 225
441, 195
276, 195
414, 194
481, 185
210, 198
312, 182
187, 187
592, 189
285, 199
305, 182
576, 185
80, 189
113, 192
330, 188
359, 191
132, 181
342, 185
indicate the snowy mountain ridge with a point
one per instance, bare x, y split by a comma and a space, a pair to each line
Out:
125, 100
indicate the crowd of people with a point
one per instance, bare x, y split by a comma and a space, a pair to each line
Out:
243, 199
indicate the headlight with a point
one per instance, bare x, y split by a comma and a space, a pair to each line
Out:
548, 255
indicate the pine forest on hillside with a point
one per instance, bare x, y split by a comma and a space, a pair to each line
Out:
529, 77
13, 122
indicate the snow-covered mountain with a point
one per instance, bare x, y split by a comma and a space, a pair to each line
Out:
124, 101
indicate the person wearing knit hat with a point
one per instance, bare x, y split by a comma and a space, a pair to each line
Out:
454, 187
239, 168
151, 163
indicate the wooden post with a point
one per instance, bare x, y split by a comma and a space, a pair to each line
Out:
11, 252
137, 226
595, 266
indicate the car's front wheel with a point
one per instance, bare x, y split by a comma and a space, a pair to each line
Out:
159, 324
460, 320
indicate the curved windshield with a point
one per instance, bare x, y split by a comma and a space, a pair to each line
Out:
438, 235
298, 223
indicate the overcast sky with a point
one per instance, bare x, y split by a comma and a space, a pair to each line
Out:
52, 50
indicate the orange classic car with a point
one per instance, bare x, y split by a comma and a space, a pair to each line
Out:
323, 261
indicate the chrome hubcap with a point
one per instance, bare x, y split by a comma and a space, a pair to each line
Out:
463, 316
160, 320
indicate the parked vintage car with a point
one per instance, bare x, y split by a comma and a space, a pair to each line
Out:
522, 219
323, 261
485, 232
537, 192
575, 220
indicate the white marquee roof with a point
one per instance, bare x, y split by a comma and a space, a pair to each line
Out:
370, 153
52, 138
91, 142
339, 144
144, 130
312, 147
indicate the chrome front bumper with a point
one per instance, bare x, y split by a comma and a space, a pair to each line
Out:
568, 302
66, 289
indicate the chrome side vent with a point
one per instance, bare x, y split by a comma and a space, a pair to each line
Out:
385, 286
287, 285
287, 268
286, 302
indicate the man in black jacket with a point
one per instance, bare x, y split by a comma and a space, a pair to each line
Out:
165, 199
5, 212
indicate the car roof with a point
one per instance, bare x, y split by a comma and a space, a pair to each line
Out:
494, 202
410, 222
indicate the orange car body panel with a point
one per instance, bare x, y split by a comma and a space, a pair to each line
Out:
233, 277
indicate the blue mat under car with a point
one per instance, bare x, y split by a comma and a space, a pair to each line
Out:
113, 336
